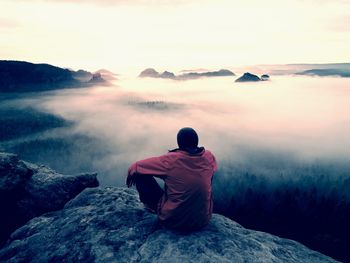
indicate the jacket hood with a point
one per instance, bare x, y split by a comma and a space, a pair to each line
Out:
190, 151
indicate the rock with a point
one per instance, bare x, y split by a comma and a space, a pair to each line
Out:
150, 72
13, 173
248, 77
28, 190
265, 77
110, 225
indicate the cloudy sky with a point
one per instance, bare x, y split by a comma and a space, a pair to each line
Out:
134, 34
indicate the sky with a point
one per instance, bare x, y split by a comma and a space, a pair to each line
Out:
123, 35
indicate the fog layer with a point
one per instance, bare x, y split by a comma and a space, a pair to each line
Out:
283, 146
301, 118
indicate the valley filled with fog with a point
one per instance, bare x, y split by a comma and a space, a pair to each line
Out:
288, 120
283, 146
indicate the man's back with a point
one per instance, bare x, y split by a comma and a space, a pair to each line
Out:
186, 202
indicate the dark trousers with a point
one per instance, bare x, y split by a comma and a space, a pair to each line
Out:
149, 190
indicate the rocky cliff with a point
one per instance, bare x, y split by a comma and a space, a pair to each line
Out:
28, 190
110, 225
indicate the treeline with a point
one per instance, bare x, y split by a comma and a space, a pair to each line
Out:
307, 203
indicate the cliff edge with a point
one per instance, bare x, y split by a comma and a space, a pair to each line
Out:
110, 225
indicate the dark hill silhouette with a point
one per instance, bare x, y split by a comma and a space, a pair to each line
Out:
149, 72
21, 76
152, 73
326, 72
219, 73
265, 77
248, 77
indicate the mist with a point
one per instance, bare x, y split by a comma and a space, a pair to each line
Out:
293, 118
283, 146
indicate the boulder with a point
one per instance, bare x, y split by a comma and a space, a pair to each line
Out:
13, 173
248, 77
28, 190
110, 225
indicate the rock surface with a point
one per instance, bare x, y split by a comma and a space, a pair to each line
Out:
28, 190
248, 77
110, 225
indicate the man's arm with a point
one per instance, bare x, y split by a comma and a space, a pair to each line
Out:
155, 166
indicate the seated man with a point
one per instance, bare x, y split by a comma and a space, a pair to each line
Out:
186, 202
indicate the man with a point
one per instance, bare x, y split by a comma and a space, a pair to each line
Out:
186, 202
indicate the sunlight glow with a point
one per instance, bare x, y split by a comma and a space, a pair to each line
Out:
123, 35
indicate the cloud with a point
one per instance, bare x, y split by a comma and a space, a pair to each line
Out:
340, 24
121, 2
8, 23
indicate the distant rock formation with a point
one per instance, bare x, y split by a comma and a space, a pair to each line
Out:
21, 76
107, 75
194, 75
265, 77
97, 78
152, 73
248, 77
110, 225
326, 72
28, 190
149, 72
82, 75
167, 75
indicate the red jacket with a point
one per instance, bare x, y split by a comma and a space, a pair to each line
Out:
187, 201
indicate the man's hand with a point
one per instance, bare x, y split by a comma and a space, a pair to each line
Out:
131, 179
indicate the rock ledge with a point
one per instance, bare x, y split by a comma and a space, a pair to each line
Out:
110, 225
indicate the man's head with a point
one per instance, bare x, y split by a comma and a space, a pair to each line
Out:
187, 138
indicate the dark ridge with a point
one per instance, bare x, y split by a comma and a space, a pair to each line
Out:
326, 72
152, 73
21, 76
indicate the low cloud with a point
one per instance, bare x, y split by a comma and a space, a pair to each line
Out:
6, 23
340, 24
120, 2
